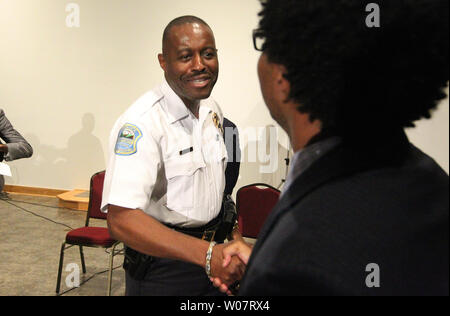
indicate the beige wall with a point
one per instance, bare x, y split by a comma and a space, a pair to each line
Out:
64, 87
431, 136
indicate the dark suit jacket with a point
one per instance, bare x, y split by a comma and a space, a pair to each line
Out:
386, 203
18, 147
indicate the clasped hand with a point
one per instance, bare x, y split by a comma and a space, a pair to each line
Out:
228, 263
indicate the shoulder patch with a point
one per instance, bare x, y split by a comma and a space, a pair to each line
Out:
127, 140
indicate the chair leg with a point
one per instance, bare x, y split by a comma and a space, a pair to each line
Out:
83, 265
61, 259
111, 260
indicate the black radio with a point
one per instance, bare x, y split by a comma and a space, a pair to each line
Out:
228, 219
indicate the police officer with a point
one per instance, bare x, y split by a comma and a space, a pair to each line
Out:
165, 178
15, 147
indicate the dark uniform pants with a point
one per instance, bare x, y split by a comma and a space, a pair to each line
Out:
167, 277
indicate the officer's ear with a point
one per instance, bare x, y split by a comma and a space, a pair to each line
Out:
162, 61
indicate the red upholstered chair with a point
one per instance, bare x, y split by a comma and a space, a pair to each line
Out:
254, 202
89, 236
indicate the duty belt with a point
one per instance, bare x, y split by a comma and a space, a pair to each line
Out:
206, 232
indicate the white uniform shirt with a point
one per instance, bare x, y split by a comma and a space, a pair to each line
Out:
166, 162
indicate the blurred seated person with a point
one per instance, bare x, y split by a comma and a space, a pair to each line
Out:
12, 146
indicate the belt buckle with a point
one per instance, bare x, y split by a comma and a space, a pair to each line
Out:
209, 235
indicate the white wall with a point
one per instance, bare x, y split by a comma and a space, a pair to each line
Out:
63, 88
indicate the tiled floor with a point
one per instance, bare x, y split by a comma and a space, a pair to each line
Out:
32, 230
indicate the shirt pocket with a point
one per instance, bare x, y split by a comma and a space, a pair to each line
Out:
181, 172
215, 150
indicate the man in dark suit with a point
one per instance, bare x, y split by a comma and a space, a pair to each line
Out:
363, 211
15, 146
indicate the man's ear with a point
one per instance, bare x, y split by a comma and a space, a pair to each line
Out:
283, 84
162, 61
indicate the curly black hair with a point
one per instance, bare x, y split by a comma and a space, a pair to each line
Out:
343, 72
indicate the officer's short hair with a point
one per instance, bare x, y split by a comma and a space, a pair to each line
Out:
186, 19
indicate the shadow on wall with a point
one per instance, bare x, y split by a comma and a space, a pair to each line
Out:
263, 158
63, 168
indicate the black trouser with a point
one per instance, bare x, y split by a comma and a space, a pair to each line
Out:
148, 276
167, 277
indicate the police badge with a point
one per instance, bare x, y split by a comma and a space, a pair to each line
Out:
217, 123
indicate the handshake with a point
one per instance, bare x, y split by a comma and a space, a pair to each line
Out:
228, 263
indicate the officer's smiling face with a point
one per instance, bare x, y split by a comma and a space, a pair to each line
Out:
190, 62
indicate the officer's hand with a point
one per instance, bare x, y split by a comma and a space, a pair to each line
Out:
229, 274
238, 248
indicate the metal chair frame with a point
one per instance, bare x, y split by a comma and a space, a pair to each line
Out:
65, 245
